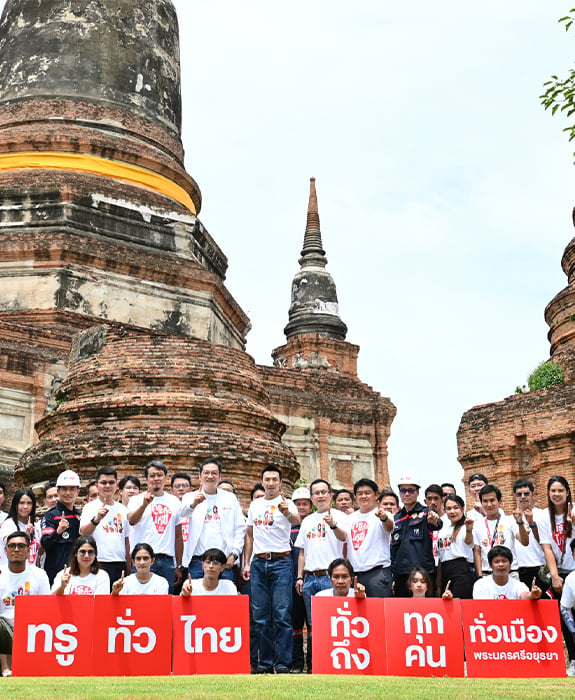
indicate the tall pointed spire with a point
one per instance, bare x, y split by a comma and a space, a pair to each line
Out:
314, 307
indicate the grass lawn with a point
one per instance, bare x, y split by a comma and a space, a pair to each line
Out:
285, 687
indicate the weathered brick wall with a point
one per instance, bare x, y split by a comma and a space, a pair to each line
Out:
527, 435
129, 396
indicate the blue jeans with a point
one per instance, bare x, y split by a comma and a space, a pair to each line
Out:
196, 571
311, 586
271, 600
164, 566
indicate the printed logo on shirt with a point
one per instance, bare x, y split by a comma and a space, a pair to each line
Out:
316, 533
185, 530
358, 533
161, 515
212, 514
114, 525
82, 590
558, 535
498, 538
8, 600
266, 519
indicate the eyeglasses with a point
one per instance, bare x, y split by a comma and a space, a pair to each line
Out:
320, 493
87, 552
17, 545
407, 491
521, 494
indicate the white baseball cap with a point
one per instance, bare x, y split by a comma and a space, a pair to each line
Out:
68, 478
301, 492
409, 479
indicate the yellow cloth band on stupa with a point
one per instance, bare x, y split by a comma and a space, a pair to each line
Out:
113, 169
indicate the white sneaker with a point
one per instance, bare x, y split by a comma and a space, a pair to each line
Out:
7, 673
571, 669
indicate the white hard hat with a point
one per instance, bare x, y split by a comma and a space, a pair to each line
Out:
301, 492
68, 478
409, 479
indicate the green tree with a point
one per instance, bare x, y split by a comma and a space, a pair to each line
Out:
546, 375
559, 95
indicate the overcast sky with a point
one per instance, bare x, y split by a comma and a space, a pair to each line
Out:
445, 189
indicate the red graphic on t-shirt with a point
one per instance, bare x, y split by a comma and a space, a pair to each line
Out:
558, 535
83, 590
358, 533
161, 516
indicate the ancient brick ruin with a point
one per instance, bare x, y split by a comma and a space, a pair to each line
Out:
119, 340
530, 435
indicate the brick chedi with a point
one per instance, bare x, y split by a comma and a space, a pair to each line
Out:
98, 225
129, 395
337, 426
530, 435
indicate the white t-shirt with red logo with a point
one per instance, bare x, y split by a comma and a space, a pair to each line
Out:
8, 527
486, 589
367, 541
157, 526
271, 527
211, 533
561, 546
92, 584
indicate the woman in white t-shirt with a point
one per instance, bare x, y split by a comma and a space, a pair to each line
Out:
83, 576
21, 516
143, 582
455, 547
213, 563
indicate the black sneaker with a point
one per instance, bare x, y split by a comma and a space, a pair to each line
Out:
282, 669
296, 669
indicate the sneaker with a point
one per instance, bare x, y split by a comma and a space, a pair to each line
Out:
282, 669
7, 673
296, 669
571, 669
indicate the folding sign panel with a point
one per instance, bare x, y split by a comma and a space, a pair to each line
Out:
426, 637
513, 639
348, 635
53, 635
132, 635
211, 634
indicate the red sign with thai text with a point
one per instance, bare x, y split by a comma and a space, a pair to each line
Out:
348, 635
513, 639
427, 637
132, 635
211, 635
53, 635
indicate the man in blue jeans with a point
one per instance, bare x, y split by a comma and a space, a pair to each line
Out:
270, 570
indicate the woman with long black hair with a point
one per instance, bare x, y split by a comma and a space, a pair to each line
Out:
455, 548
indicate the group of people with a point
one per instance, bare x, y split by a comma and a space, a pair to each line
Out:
363, 542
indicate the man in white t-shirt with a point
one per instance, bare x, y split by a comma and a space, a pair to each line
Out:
499, 585
496, 528
107, 521
342, 577
270, 571
215, 521
18, 578
530, 558
154, 519
320, 540
368, 539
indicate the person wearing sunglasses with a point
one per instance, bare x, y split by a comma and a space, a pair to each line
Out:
83, 576
411, 539
17, 578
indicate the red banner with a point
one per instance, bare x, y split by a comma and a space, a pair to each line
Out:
427, 637
211, 635
133, 635
53, 635
513, 639
348, 636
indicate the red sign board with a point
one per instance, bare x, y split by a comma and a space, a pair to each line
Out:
133, 635
53, 635
211, 634
348, 635
426, 638
513, 639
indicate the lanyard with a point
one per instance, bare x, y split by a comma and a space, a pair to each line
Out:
492, 539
